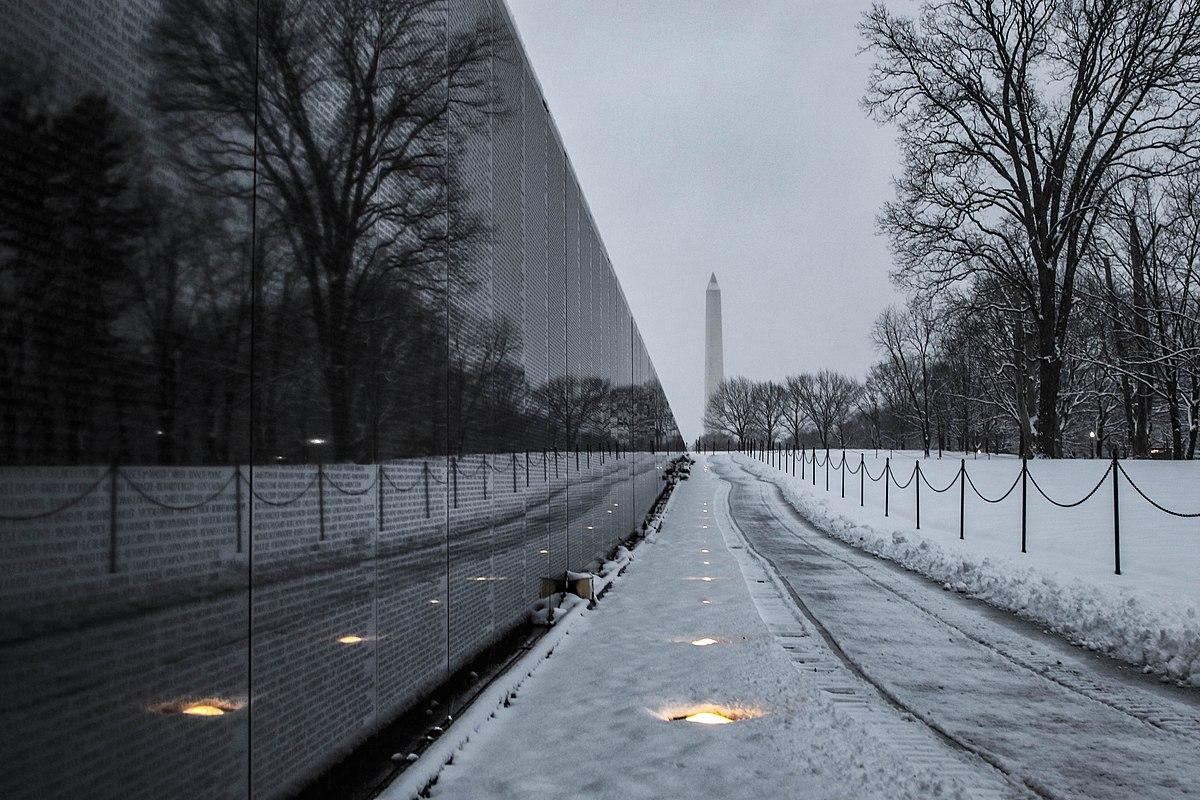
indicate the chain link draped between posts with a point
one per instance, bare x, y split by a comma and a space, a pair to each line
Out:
1138, 489
116, 477
963, 479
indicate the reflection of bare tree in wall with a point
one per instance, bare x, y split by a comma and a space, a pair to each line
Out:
576, 409
346, 134
190, 315
70, 223
488, 392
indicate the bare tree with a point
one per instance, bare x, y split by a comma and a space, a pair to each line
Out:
829, 399
795, 416
770, 403
336, 117
908, 340
1017, 121
731, 409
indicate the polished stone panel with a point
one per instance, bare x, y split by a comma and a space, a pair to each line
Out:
312, 365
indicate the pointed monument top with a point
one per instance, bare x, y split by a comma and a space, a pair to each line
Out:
712, 281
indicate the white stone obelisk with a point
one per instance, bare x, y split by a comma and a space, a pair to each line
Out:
714, 352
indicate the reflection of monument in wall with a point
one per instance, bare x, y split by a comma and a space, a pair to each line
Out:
714, 354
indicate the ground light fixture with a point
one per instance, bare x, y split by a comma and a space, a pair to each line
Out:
711, 714
708, 718
705, 642
203, 710
704, 551
205, 707
351, 638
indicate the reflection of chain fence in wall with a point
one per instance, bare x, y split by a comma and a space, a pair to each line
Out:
810, 463
97, 554
449, 294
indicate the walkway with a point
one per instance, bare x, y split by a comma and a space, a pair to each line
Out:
853, 678
1061, 721
593, 720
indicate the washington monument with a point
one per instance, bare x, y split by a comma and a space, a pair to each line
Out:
714, 353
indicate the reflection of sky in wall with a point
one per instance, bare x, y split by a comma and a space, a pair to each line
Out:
725, 137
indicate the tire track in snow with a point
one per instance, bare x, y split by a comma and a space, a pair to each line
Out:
1130, 701
977, 785
1062, 765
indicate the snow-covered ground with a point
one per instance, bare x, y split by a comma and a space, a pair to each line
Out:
1065, 581
594, 720
1059, 721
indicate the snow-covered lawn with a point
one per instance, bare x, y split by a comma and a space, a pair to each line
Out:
1065, 580
594, 719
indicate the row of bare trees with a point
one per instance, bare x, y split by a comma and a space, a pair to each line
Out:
1046, 225
821, 409
287, 243
1045, 229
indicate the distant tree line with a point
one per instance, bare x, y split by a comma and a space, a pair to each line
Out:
1046, 229
1046, 225
287, 235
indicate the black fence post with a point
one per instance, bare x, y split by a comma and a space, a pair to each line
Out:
1024, 498
814, 469
962, 498
917, 479
237, 503
862, 480
425, 472
887, 484
114, 476
842, 469
1116, 516
803, 458
321, 498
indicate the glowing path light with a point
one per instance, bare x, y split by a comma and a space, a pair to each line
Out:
203, 710
708, 718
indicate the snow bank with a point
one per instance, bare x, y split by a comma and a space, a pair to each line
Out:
1110, 616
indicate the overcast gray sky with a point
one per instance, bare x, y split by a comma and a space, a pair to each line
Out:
719, 136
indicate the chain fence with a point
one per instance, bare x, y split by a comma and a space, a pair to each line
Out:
241, 485
809, 460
